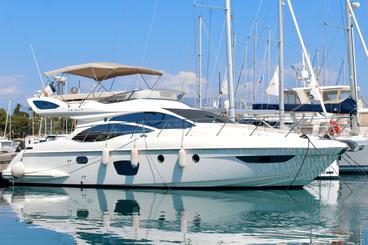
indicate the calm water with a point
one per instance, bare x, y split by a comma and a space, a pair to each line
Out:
323, 212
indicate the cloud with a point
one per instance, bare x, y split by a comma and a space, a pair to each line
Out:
9, 90
185, 81
11, 79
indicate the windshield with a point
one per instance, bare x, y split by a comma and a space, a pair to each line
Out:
198, 115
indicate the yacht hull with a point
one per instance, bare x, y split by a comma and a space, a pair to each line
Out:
217, 167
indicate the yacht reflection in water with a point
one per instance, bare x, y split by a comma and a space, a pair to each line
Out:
196, 217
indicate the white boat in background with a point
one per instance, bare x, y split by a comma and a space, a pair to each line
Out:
307, 118
148, 138
7, 146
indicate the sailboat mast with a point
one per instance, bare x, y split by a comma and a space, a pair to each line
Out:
6, 120
281, 63
268, 60
200, 60
352, 68
10, 121
230, 74
255, 61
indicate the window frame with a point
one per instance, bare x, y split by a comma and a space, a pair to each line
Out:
107, 134
177, 123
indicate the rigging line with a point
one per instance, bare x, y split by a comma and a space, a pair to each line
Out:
209, 37
239, 77
244, 65
340, 73
149, 33
218, 51
328, 51
255, 18
208, 53
262, 78
343, 20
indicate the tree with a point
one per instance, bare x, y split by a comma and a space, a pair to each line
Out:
17, 109
20, 124
3, 116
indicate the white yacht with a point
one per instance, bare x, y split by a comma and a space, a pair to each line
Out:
148, 138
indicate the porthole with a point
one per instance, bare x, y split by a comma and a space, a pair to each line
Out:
160, 158
81, 160
195, 158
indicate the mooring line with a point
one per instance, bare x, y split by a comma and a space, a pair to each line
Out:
324, 158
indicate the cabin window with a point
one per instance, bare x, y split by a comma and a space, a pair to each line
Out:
265, 158
45, 105
198, 115
344, 95
108, 131
291, 99
154, 119
329, 95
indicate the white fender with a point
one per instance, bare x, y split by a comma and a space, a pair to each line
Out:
17, 170
134, 157
105, 156
182, 156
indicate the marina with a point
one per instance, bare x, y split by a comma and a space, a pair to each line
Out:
324, 212
121, 142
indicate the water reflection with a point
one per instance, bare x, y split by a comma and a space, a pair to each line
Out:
190, 217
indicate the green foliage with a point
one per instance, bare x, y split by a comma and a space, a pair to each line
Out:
27, 123
2, 120
20, 125
17, 109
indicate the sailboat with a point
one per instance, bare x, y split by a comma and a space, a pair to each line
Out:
347, 118
6, 144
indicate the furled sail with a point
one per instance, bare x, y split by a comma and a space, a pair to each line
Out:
273, 85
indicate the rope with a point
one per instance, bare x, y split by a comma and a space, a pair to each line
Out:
324, 158
354, 163
149, 162
301, 166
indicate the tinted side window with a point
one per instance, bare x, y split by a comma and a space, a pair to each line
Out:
154, 119
198, 115
44, 105
107, 131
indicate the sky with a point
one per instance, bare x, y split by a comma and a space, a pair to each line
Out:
163, 35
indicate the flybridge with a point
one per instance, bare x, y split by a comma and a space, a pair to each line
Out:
51, 106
